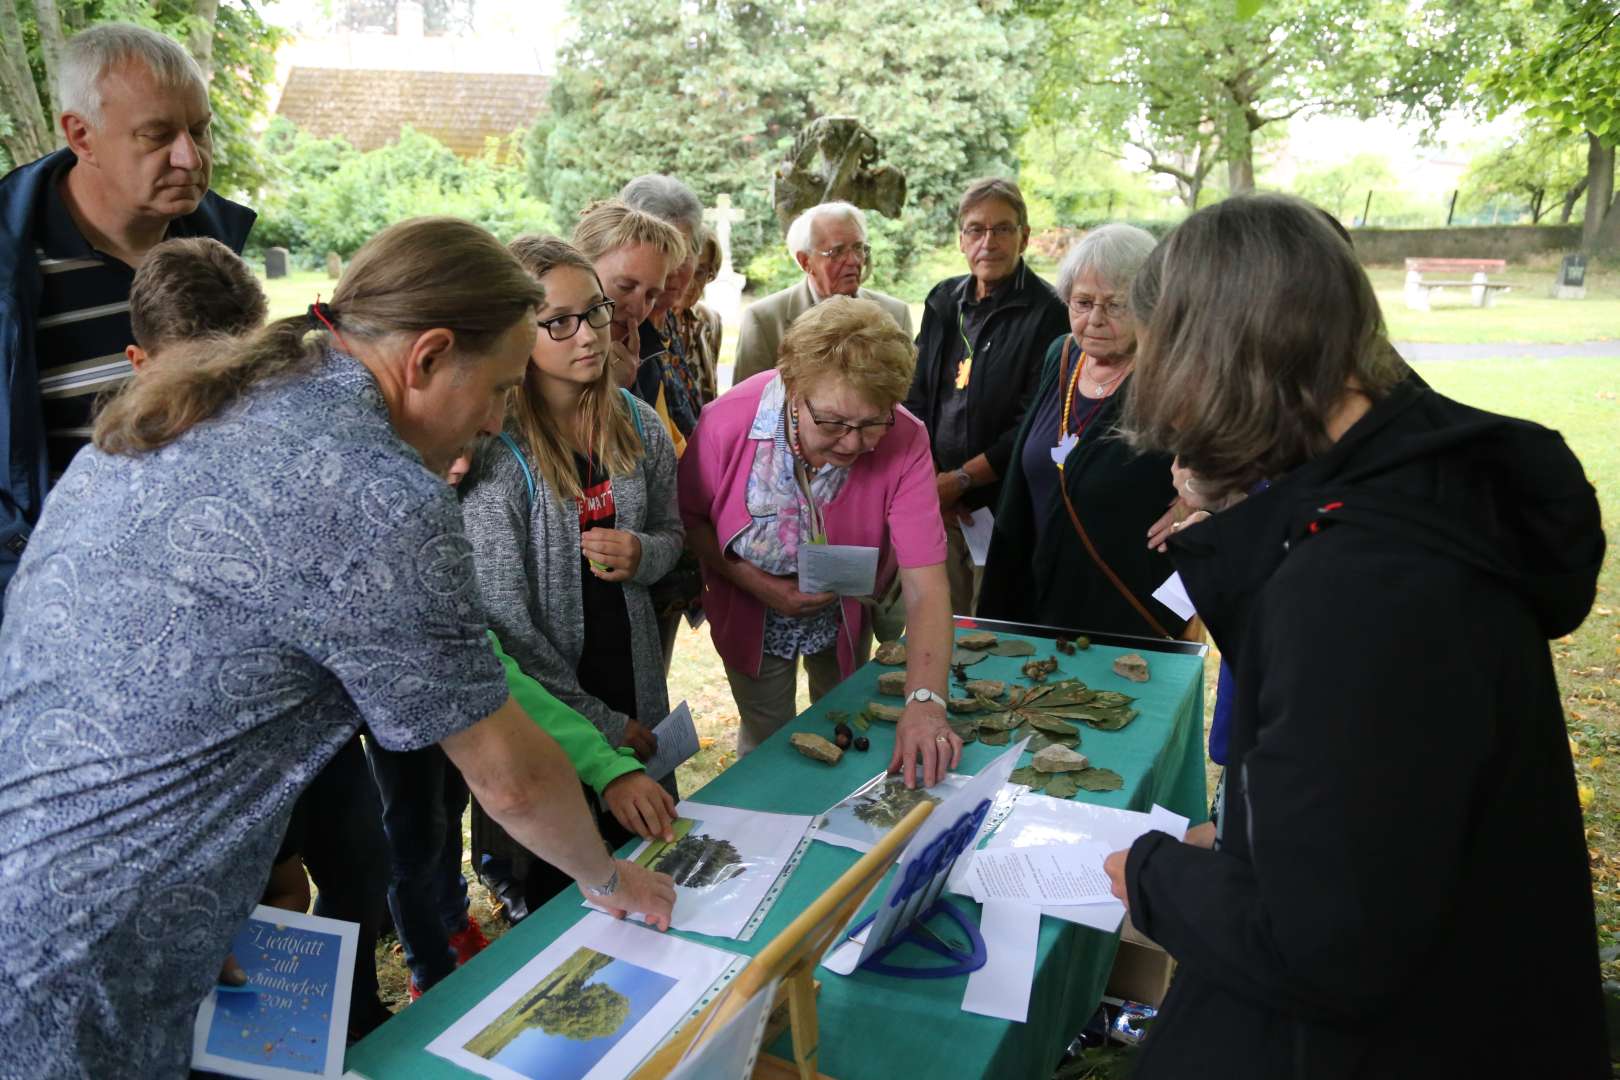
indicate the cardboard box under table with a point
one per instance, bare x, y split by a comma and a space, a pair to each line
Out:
875, 1025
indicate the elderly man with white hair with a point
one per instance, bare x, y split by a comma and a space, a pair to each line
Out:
828, 241
74, 227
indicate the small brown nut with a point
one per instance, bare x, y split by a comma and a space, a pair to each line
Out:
862, 743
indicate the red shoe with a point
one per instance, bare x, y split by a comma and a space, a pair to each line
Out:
411, 988
468, 942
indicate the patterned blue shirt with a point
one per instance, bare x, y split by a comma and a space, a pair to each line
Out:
191, 636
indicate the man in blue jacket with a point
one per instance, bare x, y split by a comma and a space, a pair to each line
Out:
74, 226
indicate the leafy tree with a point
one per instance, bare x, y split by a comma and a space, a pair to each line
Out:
714, 92
1566, 77
1070, 179
229, 39
327, 196
1538, 162
583, 1012
1339, 188
1189, 84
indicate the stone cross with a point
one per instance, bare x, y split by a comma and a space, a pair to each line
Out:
722, 216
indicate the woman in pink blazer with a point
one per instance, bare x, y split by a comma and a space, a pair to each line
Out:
820, 451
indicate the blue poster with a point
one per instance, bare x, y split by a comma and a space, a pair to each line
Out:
291, 1017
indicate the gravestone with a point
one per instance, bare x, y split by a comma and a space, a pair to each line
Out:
275, 262
334, 265
1571, 282
724, 293
835, 159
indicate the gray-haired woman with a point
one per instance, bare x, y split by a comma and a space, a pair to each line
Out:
1067, 548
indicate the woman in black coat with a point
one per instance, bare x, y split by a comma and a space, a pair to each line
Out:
1400, 881
1069, 547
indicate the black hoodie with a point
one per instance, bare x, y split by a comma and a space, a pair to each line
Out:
1402, 886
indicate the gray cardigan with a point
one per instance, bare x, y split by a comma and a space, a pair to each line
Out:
528, 563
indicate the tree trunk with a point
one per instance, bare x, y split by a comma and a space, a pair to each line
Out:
30, 134
1599, 190
51, 43
1535, 207
1571, 197
201, 40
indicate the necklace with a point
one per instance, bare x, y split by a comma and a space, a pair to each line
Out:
1104, 388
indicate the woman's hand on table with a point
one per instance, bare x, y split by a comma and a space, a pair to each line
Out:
641, 805
923, 733
640, 892
639, 737
614, 554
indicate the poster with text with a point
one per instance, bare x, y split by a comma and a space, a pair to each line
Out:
291, 1018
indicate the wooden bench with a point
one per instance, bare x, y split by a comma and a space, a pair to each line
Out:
1482, 290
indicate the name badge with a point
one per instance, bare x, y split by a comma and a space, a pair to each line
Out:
1065, 446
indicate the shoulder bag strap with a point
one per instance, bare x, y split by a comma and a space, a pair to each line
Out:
528, 477
635, 414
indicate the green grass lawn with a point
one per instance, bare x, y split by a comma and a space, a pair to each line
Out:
1526, 313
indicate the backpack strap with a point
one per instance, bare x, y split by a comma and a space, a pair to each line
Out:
528, 477
635, 414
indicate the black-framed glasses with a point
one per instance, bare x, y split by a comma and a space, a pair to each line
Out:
838, 429
844, 251
975, 233
1084, 305
563, 327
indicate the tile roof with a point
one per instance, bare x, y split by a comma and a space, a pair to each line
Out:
367, 108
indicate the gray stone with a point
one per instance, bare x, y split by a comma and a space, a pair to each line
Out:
1056, 759
275, 263
1132, 666
986, 688
892, 683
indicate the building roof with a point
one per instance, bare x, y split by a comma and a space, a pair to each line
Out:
367, 108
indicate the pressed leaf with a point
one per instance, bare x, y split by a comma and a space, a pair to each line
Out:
861, 721
995, 738
1110, 699
1012, 647
966, 657
966, 730
1030, 777
1098, 779
1050, 724
998, 721
1062, 785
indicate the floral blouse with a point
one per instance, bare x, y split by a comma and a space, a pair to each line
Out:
780, 522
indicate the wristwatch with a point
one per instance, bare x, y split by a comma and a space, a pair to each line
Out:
964, 481
922, 693
607, 888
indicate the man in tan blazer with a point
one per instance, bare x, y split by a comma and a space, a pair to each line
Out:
828, 242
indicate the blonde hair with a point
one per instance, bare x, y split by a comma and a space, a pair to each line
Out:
613, 441
610, 224
851, 339
418, 275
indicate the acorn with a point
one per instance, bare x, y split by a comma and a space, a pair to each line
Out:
842, 735
862, 743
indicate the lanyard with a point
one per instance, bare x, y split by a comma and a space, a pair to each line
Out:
1068, 402
801, 475
964, 370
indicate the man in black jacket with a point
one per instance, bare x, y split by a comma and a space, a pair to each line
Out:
979, 355
74, 227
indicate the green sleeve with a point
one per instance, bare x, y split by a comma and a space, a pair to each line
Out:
592, 756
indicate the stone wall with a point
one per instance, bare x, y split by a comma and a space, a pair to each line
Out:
1511, 242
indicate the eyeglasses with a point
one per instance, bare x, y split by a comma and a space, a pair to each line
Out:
838, 429
563, 327
1083, 306
844, 251
975, 233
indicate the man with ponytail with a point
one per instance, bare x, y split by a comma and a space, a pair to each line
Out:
74, 227
288, 566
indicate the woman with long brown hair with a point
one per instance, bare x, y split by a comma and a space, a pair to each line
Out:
251, 563
572, 515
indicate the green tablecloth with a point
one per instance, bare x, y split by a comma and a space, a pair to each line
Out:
874, 1025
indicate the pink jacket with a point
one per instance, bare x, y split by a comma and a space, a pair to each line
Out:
889, 502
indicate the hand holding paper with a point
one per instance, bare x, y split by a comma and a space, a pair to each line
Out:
1058, 875
677, 740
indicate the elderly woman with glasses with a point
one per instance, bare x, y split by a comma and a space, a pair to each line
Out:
820, 451
1069, 542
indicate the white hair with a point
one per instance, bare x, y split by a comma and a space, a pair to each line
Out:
1114, 253
798, 234
666, 199
90, 54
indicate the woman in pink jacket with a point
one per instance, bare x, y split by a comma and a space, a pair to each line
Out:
820, 451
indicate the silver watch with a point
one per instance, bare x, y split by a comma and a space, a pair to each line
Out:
607, 888
922, 693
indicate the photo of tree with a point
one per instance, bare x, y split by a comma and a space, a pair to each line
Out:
571, 1018
696, 860
861, 818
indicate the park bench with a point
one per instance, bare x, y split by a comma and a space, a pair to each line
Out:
1482, 289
